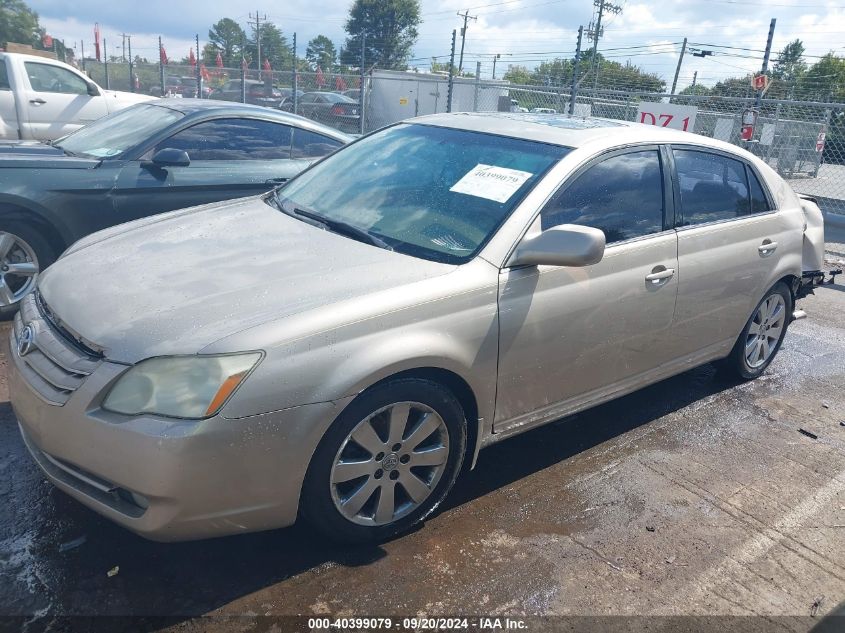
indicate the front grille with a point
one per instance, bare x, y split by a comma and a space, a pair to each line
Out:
52, 365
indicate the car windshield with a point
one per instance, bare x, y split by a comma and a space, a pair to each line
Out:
431, 192
114, 134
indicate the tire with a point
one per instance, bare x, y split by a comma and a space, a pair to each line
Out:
28, 245
345, 494
762, 336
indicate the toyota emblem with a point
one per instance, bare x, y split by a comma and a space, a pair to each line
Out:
27, 341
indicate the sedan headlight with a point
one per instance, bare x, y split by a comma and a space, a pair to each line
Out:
190, 387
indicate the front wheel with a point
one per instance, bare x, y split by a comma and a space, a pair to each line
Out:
24, 252
386, 463
763, 335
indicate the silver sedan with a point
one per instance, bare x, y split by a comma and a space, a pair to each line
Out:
340, 348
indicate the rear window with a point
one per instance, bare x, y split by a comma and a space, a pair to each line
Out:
759, 201
4, 76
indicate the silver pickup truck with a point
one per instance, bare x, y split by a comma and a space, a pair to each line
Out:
43, 99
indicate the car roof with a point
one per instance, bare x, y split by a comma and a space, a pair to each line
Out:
199, 107
568, 130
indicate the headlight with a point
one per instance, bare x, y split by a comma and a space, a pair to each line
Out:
180, 386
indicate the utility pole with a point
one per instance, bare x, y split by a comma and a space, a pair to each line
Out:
295, 77
466, 16
131, 72
597, 32
768, 52
678, 69
82, 52
495, 57
256, 19
451, 73
199, 72
573, 91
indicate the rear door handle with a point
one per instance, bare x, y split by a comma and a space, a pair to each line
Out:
659, 276
38, 101
767, 247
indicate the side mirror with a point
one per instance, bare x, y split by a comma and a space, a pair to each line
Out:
93, 90
563, 245
170, 157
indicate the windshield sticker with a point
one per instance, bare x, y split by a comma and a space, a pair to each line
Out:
491, 182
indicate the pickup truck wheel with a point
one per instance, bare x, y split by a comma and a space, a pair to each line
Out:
762, 336
386, 463
24, 252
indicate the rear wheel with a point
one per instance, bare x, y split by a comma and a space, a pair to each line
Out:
24, 252
386, 463
763, 335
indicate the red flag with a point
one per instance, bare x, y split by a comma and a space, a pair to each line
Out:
321, 81
339, 83
97, 41
204, 73
162, 55
219, 61
267, 64
191, 59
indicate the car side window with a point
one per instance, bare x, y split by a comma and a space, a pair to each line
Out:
759, 201
621, 195
713, 187
233, 139
307, 144
4, 76
47, 78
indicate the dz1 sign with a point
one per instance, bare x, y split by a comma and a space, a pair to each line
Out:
667, 115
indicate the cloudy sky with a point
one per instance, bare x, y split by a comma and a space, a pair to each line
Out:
648, 33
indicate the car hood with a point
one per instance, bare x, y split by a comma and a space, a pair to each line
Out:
177, 284
127, 98
38, 154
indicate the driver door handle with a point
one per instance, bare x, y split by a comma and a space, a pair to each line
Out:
38, 101
660, 276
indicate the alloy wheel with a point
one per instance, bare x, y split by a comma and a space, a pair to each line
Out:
18, 268
765, 331
390, 463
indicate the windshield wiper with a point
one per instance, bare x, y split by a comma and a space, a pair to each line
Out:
336, 226
52, 143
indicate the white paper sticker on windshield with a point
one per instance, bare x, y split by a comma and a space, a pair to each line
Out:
491, 182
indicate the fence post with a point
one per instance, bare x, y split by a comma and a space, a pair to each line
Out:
573, 92
295, 80
477, 84
161, 69
361, 100
451, 74
106, 63
131, 68
199, 72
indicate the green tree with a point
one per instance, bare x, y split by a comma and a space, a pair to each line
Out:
18, 23
697, 89
790, 64
274, 47
226, 36
321, 52
389, 31
825, 80
519, 75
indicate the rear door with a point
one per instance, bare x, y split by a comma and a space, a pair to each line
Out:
57, 100
8, 112
730, 238
230, 158
569, 334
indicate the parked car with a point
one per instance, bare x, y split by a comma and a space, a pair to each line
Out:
257, 93
146, 159
330, 108
340, 347
41, 98
544, 110
354, 94
172, 87
188, 88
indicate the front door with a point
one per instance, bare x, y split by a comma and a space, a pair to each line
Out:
58, 101
230, 158
568, 334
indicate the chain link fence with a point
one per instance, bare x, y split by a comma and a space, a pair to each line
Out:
804, 141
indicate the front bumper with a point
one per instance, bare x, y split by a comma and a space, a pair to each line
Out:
169, 479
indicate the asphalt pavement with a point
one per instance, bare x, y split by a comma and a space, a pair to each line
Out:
693, 497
